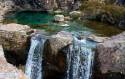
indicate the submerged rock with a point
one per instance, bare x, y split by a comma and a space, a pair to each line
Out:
14, 38
110, 55
8, 71
54, 57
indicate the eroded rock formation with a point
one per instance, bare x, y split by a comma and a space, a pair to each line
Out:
54, 57
14, 38
8, 71
110, 56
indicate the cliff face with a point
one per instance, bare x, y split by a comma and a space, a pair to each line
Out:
42, 4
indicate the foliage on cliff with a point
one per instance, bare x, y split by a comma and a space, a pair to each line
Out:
97, 7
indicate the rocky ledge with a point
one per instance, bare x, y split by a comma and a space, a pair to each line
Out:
14, 38
110, 56
8, 71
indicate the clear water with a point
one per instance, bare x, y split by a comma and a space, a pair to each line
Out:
44, 21
32, 18
33, 68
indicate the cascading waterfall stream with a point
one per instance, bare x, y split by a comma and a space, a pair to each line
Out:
79, 59
33, 68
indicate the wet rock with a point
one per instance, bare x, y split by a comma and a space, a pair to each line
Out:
67, 18
110, 55
8, 71
54, 57
108, 18
122, 22
75, 14
97, 38
59, 18
14, 38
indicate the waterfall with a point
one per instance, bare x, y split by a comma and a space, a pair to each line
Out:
79, 59
33, 68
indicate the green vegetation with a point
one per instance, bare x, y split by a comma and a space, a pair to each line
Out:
97, 7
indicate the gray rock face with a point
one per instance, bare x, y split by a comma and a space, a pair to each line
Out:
111, 54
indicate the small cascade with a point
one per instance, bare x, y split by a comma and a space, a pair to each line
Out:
79, 59
34, 62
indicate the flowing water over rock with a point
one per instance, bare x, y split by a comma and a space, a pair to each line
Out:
79, 55
79, 59
34, 62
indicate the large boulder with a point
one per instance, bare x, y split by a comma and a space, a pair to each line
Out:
14, 38
54, 57
8, 71
110, 55
75, 14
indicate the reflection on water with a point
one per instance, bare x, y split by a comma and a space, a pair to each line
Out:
103, 29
